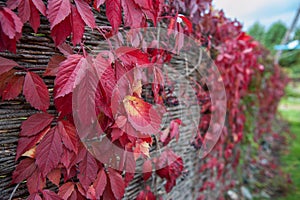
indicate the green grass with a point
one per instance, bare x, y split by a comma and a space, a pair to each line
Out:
290, 110
293, 71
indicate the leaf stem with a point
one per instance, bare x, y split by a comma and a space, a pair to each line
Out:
13, 192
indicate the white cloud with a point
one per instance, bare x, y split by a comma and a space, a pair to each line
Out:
264, 11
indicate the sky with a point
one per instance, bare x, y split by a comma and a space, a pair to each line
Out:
264, 11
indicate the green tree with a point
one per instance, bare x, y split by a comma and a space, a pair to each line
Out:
297, 34
257, 31
274, 35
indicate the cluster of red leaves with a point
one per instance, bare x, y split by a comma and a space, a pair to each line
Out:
49, 146
56, 150
237, 59
72, 16
173, 169
267, 137
237, 56
269, 97
29, 10
136, 12
146, 194
11, 29
34, 88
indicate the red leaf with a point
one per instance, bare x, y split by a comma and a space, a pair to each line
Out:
155, 12
108, 193
64, 105
85, 98
130, 163
116, 134
146, 194
34, 196
54, 176
23, 170
24, 10
100, 183
158, 83
107, 75
53, 65
165, 136
13, 88
70, 174
66, 190
133, 15
49, 151
77, 195
86, 13
171, 132
82, 151
26, 143
35, 124
6, 43
68, 159
10, 29
187, 22
10, 23
147, 170
77, 26
12, 4
80, 189
114, 13
117, 183
57, 11
121, 69
174, 128
67, 74
141, 149
98, 3
131, 55
65, 49
49, 195
34, 19
144, 4
36, 182
30, 153
40, 6
6, 65
142, 116
170, 167
68, 134
91, 193
36, 91
61, 31
5, 78
103, 101
128, 178
88, 170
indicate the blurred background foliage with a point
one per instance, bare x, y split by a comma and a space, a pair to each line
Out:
289, 107
269, 37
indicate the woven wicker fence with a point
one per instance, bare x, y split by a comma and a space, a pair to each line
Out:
35, 51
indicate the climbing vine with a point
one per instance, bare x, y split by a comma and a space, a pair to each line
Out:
50, 147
